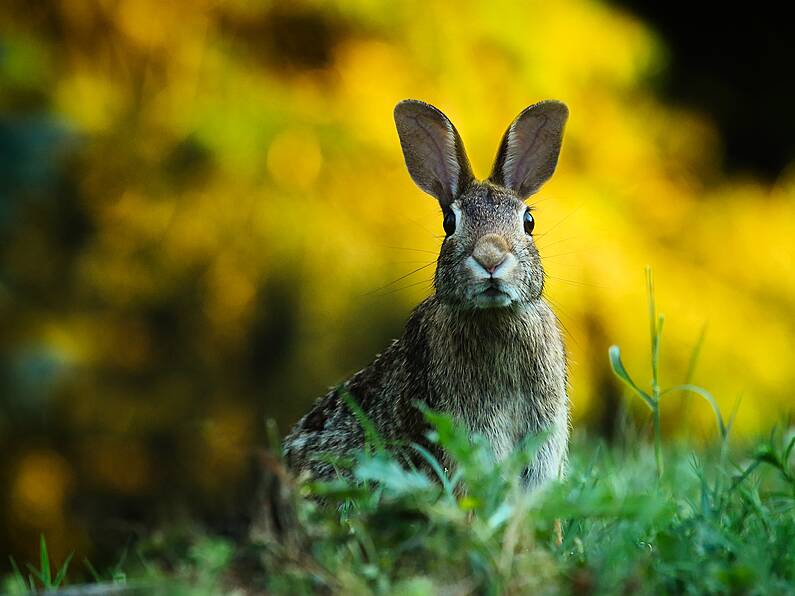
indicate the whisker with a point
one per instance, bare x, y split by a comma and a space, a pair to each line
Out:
575, 282
430, 252
557, 242
411, 285
561, 254
391, 283
405, 262
543, 199
563, 313
417, 223
575, 210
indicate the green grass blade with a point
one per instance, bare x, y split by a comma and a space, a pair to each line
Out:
652, 309
614, 354
45, 562
766, 454
733, 415
92, 570
695, 354
687, 387
35, 573
653, 322
371, 435
740, 478
59, 577
18, 577
660, 325
524, 453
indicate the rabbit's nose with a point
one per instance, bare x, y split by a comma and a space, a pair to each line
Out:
490, 251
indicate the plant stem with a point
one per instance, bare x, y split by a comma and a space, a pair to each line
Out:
658, 457
655, 328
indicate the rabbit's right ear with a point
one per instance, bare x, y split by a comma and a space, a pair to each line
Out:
433, 150
530, 148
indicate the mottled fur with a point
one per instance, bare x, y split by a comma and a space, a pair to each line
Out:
485, 348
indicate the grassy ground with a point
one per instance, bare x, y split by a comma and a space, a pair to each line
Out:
714, 523
637, 517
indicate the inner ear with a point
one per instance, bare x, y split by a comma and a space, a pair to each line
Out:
433, 150
529, 150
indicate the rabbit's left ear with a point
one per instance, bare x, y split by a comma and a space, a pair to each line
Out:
433, 151
529, 150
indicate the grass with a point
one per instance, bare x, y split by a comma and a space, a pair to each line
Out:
639, 516
711, 524
655, 394
42, 575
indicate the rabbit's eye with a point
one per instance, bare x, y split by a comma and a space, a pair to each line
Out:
529, 222
449, 223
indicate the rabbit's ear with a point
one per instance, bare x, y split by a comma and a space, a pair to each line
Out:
529, 150
433, 150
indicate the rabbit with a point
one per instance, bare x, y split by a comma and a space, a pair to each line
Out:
486, 347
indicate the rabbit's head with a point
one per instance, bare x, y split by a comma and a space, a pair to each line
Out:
488, 258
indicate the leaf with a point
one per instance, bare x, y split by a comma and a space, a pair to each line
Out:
435, 466
524, 453
391, 475
338, 490
788, 450
766, 454
530, 444
371, 436
708, 397
499, 517
614, 354
454, 438
468, 503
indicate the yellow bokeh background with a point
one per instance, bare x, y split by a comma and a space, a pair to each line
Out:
239, 158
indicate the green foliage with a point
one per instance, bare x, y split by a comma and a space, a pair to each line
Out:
652, 398
42, 577
721, 520
708, 525
712, 524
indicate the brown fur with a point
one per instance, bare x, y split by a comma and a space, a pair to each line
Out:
485, 348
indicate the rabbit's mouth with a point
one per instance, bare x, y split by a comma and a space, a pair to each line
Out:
492, 296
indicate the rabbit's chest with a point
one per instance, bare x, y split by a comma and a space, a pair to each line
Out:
503, 377
502, 419
503, 401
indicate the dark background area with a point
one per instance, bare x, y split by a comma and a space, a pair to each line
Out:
734, 63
